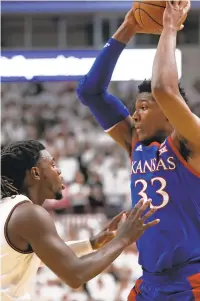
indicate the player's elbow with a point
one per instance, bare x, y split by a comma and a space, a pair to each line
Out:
75, 277
79, 280
158, 92
160, 89
162, 92
87, 89
82, 91
74, 282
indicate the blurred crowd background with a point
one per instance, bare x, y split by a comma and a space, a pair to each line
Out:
96, 171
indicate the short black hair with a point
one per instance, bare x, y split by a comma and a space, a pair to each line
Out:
16, 159
145, 86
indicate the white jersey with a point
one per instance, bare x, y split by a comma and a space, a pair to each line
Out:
18, 269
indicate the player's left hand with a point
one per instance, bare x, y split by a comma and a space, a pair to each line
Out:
109, 232
175, 14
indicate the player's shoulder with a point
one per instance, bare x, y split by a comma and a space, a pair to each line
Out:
28, 212
29, 219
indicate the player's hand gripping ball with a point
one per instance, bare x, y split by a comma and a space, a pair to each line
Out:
149, 15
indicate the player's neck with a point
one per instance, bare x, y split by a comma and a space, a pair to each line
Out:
158, 138
35, 195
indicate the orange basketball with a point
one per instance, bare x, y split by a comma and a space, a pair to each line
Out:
149, 14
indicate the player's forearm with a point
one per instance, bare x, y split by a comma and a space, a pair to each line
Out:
93, 264
125, 32
99, 76
165, 73
79, 247
92, 90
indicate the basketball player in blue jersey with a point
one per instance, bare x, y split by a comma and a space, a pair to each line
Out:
163, 140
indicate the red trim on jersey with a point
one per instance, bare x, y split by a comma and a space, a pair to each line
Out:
133, 293
185, 163
154, 143
5, 230
194, 281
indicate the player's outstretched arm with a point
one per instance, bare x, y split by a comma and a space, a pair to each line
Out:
87, 246
108, 110
165, 77
34, 224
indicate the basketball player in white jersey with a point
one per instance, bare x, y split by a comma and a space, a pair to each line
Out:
28, 235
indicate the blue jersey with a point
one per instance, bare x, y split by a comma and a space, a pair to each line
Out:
159, 172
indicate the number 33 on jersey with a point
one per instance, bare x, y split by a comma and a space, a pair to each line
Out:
161, 190
158, 172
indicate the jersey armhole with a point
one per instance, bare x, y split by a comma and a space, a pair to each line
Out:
29, 250
181, 159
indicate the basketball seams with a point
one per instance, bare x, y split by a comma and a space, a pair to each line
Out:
140, 14
151, 4
147, 15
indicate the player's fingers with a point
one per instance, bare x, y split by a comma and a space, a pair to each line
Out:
148, 214
127, 213
115, 221
169, 4
176, 4
139, 204
183, 4
118, 217
151, 224
142, 209
122, 220
134, 211
136, 208
187, 8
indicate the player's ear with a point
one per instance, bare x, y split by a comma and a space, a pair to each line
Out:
35, 173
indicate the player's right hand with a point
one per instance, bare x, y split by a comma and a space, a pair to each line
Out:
130, 18
134, 225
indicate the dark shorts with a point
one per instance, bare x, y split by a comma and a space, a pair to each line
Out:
178, 285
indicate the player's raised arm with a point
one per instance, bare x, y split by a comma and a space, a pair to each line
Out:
108, 110
165, 86
34, 224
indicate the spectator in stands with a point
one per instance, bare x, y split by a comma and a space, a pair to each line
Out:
78, 195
